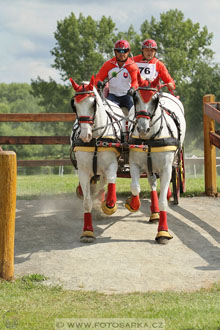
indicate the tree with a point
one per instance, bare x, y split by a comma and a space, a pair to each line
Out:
205, 81
133, 38
185, 49
82, 45
181, 44
52, 96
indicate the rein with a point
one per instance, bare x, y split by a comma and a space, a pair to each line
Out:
116, 114
149, 115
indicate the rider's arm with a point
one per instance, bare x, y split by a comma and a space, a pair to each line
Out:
165, 76
103, 72
134, 73
142, 82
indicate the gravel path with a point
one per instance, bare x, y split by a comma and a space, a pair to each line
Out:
125, 257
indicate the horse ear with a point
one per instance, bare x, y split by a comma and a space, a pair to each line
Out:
74, 84
92, 83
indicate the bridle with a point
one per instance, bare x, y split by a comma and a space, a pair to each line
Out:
84, 119
145, 113
90, 119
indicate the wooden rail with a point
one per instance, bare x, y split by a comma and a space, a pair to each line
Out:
37, 117
46, 140
44, 162
211, 113
67, 162
34, 139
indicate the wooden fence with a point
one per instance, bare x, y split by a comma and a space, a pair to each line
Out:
8, 171
211, 114
47, 140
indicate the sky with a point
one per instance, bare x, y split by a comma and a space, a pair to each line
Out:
27, 28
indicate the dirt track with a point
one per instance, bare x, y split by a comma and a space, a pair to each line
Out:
125, 256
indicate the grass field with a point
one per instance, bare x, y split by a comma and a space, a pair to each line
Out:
34, 186
26, 303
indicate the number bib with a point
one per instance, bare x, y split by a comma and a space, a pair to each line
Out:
148, 71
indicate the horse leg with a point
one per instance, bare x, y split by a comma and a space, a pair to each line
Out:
163, 235
169, 194
133, 202
79, 192
101, 189
155, 211
88, 234
109, 205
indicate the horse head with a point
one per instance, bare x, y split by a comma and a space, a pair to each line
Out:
146, 102
84, 105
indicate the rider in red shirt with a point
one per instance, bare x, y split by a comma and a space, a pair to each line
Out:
151, 68
122, 75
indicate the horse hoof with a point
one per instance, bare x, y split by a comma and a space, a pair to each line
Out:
163, 240
109, 210
79, 192
87, 237
129, 207
155, 217
163, 237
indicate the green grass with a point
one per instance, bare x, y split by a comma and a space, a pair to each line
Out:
28, 304
35, 186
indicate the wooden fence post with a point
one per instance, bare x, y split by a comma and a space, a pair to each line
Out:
8, 175
209, 150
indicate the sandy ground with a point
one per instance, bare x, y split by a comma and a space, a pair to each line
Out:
125, 256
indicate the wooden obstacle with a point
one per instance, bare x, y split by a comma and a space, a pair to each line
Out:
44, 140
8, 174
211, 113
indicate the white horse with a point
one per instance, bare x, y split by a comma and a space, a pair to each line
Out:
158, 133
99, 123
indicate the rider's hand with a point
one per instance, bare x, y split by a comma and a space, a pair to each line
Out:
170, 86
100, 84
131, 91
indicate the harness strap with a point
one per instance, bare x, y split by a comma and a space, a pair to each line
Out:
95, 178
143, 114
168, 126
175, 119
94, 142
160, 129
73, 158
149, 162
86, 120
169, 141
